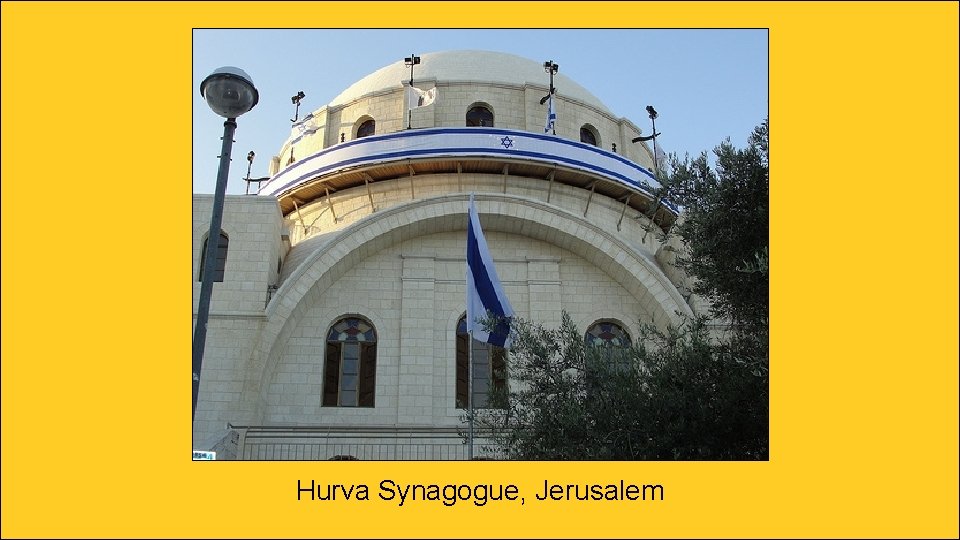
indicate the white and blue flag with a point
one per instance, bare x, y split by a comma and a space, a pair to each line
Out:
551, 116
485, 297
306, 126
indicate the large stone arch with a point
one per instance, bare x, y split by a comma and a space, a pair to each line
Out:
515, 214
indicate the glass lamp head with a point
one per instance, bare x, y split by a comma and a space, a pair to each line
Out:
229, 92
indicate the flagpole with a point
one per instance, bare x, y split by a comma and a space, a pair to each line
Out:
470, 390
411, 61
485, 295
550, 67
409, 113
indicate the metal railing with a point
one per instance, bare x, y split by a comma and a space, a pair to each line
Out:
378, 443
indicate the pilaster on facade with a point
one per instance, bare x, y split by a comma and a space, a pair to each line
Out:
543, 282
415, 390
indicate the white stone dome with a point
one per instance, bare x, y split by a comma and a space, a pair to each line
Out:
470, 67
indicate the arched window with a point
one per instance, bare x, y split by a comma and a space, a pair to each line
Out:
489, 369
350, 370
221, 260
589, 135
479, 116
368, 127
607, 334
611, 339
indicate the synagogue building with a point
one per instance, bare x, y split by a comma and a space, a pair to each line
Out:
337, 321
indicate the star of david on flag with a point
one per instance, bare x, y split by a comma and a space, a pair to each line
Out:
485, 296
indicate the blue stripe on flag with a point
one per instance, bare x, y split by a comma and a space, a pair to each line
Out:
485, 296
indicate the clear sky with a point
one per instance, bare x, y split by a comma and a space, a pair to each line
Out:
706, 85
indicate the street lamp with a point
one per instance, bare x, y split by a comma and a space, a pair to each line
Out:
296, 101
652, 113
229, 92
250, 155
550, 67
653, 118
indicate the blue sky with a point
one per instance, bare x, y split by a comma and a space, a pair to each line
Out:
706, 85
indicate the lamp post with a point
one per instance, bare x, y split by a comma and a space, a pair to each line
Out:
411, 61
296, 101
653, 118
229, 92
250, 155
652, 113
550, 67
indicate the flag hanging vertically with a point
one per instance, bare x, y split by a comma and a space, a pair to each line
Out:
551, 117
485, 296
662, 159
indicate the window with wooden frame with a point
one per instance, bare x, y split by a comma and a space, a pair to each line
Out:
350, 366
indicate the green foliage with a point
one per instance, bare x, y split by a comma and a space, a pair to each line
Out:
725, 227
691, 392
675, 395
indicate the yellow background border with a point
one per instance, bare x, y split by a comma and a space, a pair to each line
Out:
864, 313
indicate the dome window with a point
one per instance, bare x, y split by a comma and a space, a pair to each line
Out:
588, 134
479, 116
368, 127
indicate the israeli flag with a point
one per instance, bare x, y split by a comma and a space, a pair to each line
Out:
551, 117
306, 126
485, 296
